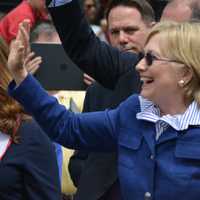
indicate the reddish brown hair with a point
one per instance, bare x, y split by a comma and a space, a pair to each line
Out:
11, 113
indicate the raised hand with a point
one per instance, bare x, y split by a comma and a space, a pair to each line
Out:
23, 35
20, 59
16, 61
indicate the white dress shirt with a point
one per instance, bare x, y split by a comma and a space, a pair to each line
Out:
150, 112
5, 141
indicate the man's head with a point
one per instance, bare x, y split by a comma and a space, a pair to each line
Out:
128, 23
90, 10
45, 32
181, 10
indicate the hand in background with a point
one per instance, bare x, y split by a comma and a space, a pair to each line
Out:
88, 80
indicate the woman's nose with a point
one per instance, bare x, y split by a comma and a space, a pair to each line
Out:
141, 66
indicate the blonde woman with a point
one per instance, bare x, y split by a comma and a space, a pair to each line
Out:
156, 133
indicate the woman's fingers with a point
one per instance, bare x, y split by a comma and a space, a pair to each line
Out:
16, 56
24, 35
32, 63
18, 53
29, 57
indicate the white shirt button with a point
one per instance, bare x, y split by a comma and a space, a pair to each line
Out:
152, 157
147, 196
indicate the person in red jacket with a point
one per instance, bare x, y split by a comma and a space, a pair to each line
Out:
28, 9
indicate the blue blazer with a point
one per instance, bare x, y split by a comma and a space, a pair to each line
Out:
166, 169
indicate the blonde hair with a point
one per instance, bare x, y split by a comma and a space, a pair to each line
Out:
182, 43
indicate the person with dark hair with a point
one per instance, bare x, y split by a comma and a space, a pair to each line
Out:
128, 34
90, 10
147, 12
128, 25
156, 133
28, 167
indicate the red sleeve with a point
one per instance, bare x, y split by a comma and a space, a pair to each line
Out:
9, 24
13, 26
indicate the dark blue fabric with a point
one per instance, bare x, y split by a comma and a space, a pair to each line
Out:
29, 171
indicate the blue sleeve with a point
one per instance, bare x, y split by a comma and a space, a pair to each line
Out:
98, 59
89, 131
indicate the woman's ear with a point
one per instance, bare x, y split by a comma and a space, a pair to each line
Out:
153, 24
187, 74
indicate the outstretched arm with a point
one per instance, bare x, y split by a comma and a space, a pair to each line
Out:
92, 131
98, 59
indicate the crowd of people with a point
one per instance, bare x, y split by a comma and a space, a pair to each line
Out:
137, 136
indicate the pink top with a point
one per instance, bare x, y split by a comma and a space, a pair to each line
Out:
9, 23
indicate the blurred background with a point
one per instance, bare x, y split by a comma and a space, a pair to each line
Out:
158, 5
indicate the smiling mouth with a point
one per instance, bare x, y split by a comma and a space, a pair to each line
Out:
146, 81
130, 49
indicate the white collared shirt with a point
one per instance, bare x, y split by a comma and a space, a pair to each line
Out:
150, 112
5, 141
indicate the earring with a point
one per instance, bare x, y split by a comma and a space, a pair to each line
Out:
181, 83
